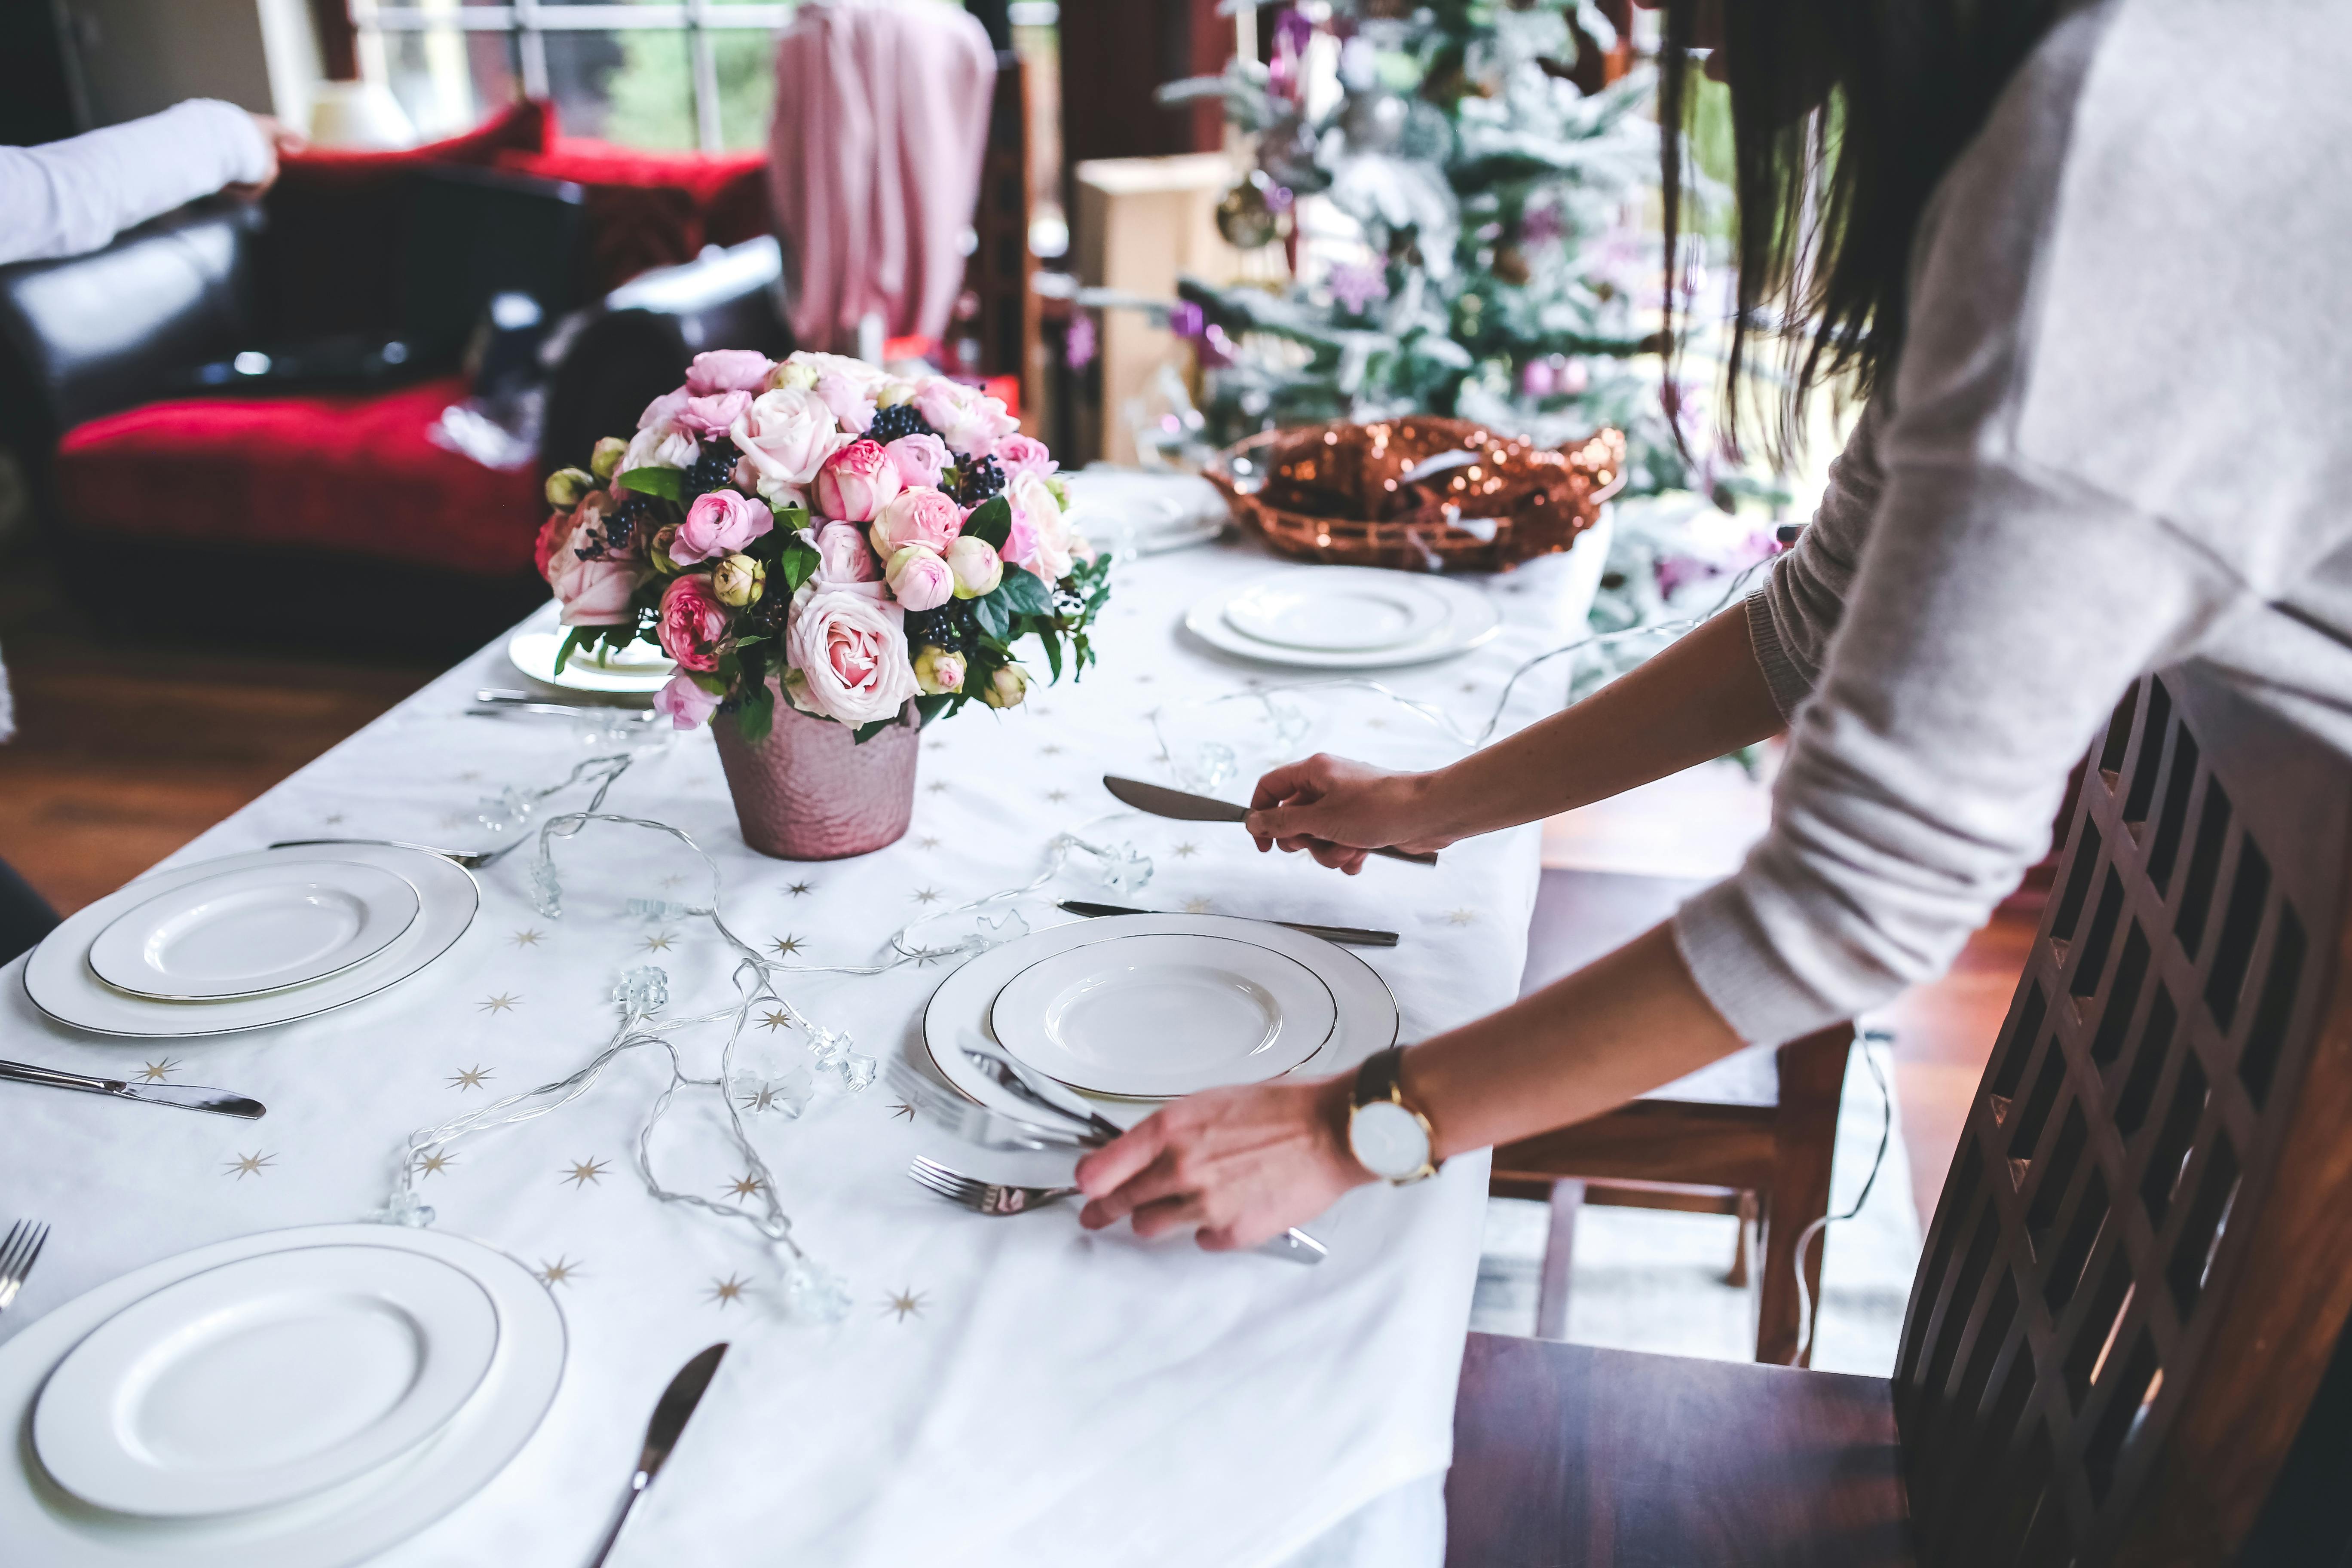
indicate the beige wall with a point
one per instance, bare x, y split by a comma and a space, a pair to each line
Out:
141, 56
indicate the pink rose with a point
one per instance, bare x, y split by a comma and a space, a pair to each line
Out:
728, 370
706, 418
662, 445
686, 705
918, 516
1038, 517
856, 482
851, 403
663, 410
919, 459
693, 623
1018, 454
967, 418
720, 523
842, 557
919, 579
978, 568
554, 534
852, 653
786, 435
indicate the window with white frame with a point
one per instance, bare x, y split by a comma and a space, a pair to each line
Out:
698, 74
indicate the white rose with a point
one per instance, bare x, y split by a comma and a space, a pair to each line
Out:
787, 434
816, 366
1033, 502
851, 651
968, 419
659, 446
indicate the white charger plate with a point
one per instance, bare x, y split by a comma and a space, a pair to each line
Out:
40, 1522
57, 976
1151, 1017
638, 670
1367, 1012
1338, 611
241, 934
265, 1380
1471, 618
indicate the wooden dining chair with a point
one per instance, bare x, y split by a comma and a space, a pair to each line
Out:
2139, 1267
1750, 1136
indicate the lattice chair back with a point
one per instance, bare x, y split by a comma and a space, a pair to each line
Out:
2143, 1254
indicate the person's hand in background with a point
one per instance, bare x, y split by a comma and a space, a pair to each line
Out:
280, 139
1339, 811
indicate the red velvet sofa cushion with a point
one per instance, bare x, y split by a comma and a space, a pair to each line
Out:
652, 209
330, 261
341, 474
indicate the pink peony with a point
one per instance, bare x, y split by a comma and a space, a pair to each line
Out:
686, 705
919, 459
851, 651
663, 411
967, 418
786, 435
1038, 523
919, 578
842, 558
720, 523
554, 534
1018, 454
918, 516
850, 402
856, 482
709, 418
693, 623
729, 370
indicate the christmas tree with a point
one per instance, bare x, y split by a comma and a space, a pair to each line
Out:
1501, 272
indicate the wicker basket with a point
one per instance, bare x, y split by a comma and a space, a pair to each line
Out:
1418, 493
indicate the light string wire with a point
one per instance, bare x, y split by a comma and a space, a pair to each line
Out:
1805, 1323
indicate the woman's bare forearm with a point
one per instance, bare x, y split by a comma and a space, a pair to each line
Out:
1698, 699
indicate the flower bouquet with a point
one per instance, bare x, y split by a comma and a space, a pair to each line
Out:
833, 555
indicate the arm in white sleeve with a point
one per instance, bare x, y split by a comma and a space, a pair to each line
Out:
71, 197
1792, 618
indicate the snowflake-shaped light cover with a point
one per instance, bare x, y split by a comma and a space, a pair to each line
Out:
645, 989
813, 1293
661, 910
789, 1092
1122, 868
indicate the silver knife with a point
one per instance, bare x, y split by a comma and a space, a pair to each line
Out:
677, 1402
1353, 936
187, 1096
1162, 801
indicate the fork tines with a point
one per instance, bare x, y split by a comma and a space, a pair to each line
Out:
953, 1186
19, 1250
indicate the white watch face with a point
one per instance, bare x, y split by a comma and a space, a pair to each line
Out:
1389, 1139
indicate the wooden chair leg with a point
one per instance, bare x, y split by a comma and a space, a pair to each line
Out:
1804, 1137
1742, 1248
1559, 1251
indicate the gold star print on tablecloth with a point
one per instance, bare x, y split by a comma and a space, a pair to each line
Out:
500, 1004
927, 895
563, 1272
527, 938
435, 1163
336, 820
156, 1072
797, 889
1057, 796
903, 1109
928, 842
938, 786
675, 880
759, 1101
1186, 851
472, 1078
585, 1171
776, 1018
906, 1303
728, 1289
743, 1186
660, 944
1049, 750
245, 1165
785, 945
1196, 906
1460, 917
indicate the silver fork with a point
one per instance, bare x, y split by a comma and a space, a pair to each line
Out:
19, 1250
472, 860
982, 1197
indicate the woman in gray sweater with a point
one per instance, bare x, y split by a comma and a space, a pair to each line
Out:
2084, 262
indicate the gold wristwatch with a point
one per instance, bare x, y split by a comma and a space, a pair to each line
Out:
1389, 1137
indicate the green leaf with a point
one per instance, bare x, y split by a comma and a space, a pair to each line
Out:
757, 716
865, 732
797, 565
572, 641
932, 706
1024, 592
991, 520
1053, 652
994, 616
667, 483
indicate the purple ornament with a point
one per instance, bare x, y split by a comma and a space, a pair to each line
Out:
1186, 320
1079, 344
1357, 284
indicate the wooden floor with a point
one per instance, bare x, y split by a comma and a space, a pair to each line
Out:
123, 754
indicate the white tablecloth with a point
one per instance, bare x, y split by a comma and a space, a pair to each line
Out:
1036, 1396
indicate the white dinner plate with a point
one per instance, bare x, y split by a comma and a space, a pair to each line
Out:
1367, 1014
1151, 1017
40, 1522
1338, 611
1314, 602
58, 979
241, 934
265, 1380
639, 669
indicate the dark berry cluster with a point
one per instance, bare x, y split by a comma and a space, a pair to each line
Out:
636, 518
977, 478
950, 627
895, 422
710, 468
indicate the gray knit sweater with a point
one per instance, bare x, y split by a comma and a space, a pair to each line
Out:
2120, 438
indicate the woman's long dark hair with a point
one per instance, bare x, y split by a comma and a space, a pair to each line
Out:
1844, 115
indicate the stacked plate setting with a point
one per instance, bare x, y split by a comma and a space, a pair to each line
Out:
1345, 617
300, 1398
1150, 1008
251, 939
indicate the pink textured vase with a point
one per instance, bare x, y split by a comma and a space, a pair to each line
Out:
809, 793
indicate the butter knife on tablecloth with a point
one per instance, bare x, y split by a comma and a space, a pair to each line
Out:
187, 1096
677, 1402
1162, 801
1351, 936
